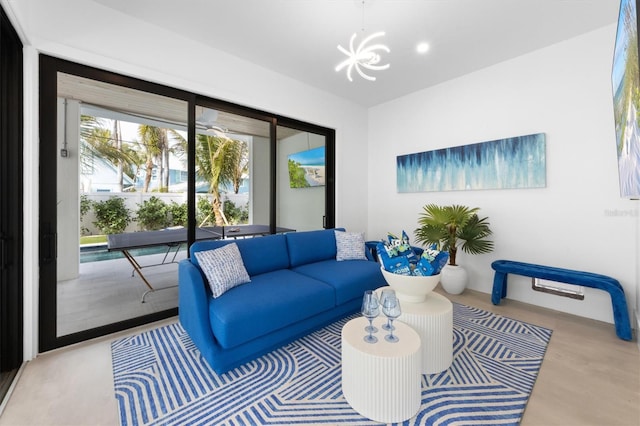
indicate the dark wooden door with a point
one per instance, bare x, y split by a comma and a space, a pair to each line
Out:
11, 188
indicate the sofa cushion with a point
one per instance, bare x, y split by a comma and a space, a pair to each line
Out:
223, 268
349, 278
259, 254
311, 246
273, 300
350, 246
264, 254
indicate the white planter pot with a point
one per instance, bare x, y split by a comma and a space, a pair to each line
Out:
453, 279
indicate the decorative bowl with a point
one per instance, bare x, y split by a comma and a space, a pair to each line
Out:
411, 288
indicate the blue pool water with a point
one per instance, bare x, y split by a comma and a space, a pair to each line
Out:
99, 253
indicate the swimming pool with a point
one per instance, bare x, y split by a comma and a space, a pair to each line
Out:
97, 253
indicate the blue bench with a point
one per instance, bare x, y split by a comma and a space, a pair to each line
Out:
586, 279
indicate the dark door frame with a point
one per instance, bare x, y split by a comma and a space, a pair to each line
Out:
330, 163
11, 202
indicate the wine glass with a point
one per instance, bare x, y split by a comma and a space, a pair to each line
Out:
391, 308
387, 292
370, 310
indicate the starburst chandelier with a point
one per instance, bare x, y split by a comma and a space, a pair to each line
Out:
365, 57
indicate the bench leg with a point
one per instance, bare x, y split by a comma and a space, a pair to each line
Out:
620, 314
499, 287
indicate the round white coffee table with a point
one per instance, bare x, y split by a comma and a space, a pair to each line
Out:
382, 380
433, 320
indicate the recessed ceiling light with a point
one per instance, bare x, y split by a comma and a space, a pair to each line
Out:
422, 47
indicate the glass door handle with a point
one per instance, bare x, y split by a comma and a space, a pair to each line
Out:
3, 253
48, 247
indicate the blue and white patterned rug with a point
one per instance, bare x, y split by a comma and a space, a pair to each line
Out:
160, 379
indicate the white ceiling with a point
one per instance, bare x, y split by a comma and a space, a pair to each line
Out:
299, 38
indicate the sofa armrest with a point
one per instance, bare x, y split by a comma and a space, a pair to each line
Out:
193, 304
370, 250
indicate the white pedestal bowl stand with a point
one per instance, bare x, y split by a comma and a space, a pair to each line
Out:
382, 380
433, 320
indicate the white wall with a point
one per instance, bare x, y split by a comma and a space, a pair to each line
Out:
578, 221
115, 42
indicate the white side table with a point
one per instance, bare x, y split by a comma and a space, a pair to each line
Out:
382, 380
433, 320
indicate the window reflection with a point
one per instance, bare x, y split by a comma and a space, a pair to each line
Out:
301, 179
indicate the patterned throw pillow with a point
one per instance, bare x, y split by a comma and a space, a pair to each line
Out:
223, 268
350, 246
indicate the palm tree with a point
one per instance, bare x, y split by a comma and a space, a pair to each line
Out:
98, 141
179, 146
164, 160
241, 167
453, 227
153, 140
217, 159
117, 139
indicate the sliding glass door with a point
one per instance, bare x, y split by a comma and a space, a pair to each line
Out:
121, 176
113, 200
133, 172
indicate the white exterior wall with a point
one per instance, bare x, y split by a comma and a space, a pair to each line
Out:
67, 195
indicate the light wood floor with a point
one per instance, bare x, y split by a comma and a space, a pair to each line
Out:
588, 377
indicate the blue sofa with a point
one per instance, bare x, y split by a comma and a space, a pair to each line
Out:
297, 286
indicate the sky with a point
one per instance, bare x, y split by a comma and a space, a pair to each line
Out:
312, 157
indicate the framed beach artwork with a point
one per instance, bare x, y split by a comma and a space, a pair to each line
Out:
517, 162
625, 81
306, 168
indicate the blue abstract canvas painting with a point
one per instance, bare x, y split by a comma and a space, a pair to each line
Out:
517, 162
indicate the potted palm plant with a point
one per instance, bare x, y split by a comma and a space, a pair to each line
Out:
451, 228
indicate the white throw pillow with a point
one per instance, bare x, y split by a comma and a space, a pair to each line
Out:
350, 246
223, 268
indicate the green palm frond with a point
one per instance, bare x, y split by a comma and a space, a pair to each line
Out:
454, 226
98, 141
217, 161
475, 234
